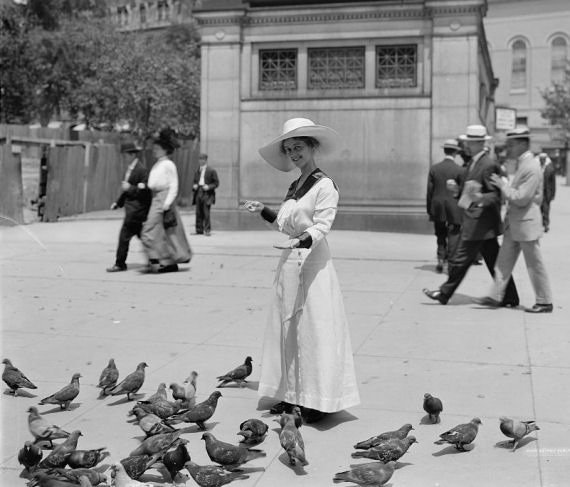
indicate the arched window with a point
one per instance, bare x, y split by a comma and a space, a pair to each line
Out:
559, 59
518, 71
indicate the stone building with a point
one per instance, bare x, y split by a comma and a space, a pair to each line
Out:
394, 78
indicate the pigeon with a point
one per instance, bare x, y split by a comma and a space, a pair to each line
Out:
461, 435
30, 455
295, 414
432, 406
73, 475
174, 460
64, 396
228, 455
109, 377
122, 479
59, 455
43, 478
86, 458
137, 465
159, 395
212, 475
388, 450
85, 482
237, 375
372, 474
253, 431
199, 413
43, 430
398, 434
179, 394
150, 423
292, 441
161, 407
190, 383
516, 429
155, 444
131, 383
14, 377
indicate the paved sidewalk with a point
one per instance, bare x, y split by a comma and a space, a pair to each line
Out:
62, 313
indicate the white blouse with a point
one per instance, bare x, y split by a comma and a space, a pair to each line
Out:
164, 177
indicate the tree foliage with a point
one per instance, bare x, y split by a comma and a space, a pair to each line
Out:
557, 100
72, 63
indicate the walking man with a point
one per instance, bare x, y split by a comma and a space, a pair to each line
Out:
481, 224
549, 185
523, 225
444, 180
204, 196
135, 200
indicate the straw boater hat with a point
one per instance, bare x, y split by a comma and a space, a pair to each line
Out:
475, 132
518, 133
451, 144
298, 127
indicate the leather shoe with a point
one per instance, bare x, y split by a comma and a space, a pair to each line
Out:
487, 301
540, 308
167, 268
436, 295
116, 268
281, 407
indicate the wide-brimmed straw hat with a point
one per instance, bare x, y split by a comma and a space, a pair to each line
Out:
518, 133
475, 132
299, 127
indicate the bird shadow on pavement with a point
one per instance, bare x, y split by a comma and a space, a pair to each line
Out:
426, 421
508, 444
298, 468
8, 392
451, 450
124, 400
253, 385
57, 409
193, 429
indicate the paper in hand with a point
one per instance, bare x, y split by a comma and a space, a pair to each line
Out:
469, 189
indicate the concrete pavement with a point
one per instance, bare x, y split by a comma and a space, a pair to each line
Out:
62, 313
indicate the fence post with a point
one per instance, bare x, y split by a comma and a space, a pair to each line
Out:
86, 174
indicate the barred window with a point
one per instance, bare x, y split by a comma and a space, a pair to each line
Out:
518, 68
142, 13
278, 69
333, 68
559, 60
396, 66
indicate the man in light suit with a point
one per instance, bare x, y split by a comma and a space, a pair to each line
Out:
444, 180
523, 224
481, 223
204, 196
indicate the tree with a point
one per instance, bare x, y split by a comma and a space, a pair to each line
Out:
557, 100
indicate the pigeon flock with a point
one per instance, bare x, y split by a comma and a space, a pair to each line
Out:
62, 464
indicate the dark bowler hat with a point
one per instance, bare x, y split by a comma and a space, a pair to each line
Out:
130, 147
519, 133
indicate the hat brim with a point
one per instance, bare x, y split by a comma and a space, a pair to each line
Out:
329, 142
465, 138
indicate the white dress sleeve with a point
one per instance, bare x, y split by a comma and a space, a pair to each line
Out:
172, 181
326, 204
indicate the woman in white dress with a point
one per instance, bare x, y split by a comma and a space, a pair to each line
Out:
307, 355
163, 235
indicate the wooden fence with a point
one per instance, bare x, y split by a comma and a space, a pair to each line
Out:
11, 190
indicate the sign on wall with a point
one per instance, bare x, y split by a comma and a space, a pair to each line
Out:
505, 118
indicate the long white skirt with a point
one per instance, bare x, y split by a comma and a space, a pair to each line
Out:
307, 354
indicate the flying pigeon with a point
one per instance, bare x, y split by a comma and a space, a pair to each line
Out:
59, 455
253, 431
227, 455
398, 434
174, 460
461, 435
237, 375
131, 383
43, 430
161, 407
30, 455
190, 383
212, 475
108, 378
150, 423
292, 441
73, 475
14, 377
372, 474
155, 444
388, 450
516, 430
64, 396
198, 414
159, 395
139, 464
432, 406
295, 414
122, 479
86, 458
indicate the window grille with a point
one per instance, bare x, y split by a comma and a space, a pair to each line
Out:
518, 70
278, 69
559, 60
334, 68
142, 13
396, 66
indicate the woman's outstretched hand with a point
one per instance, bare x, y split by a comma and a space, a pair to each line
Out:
253, 206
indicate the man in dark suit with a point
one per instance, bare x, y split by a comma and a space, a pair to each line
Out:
136, 201
481, 224
549, 188
444, 180
204, 196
